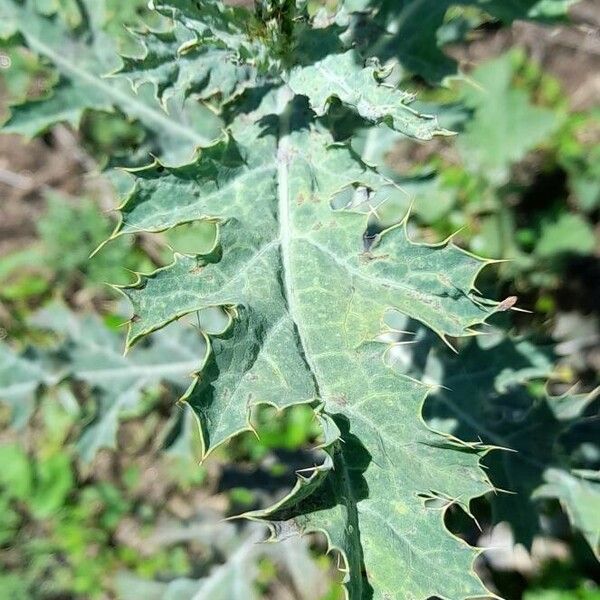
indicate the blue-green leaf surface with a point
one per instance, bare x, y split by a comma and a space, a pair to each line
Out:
307, 290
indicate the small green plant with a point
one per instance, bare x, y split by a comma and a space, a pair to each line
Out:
68, 232
59, 530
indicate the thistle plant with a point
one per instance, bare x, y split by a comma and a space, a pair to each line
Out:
308, 276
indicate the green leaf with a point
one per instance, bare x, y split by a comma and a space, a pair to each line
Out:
16, 476
235, 578
569, 234
579, 494
484, 397
93, 354
54, 480
82, 59
364, 89
21, 375
67, 10
505, 125
392, 33
70, 233
307, 292
529, 9
90, 353
582, 593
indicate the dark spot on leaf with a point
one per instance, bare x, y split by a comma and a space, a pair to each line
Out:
368, 240
369, 257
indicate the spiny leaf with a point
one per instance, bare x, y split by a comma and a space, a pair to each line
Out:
308, 275
211, 25
363, 88
183, 61
211, 21
307, 290
405, 274
179, 65
82, 58
374, 504
208, 187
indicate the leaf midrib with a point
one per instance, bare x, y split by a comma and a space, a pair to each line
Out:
285, 239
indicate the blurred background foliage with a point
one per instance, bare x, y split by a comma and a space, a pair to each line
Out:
101, 491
